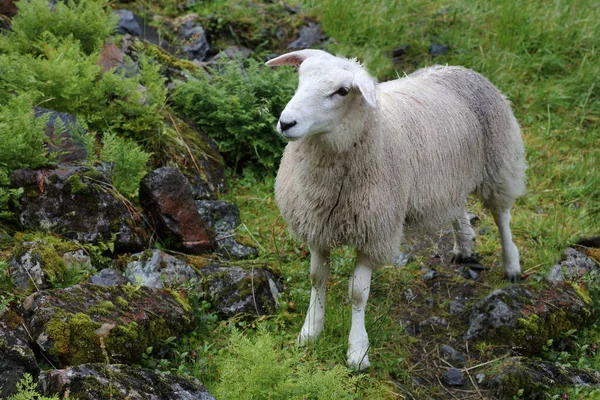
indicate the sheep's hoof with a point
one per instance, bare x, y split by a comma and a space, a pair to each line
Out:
474, 258
358, 363
513, 277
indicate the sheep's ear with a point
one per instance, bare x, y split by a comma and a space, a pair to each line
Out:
295, 57
366, 86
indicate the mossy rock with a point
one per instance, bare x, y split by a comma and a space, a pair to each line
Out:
235, 290
534, 377
526, 319
119, 382
89, 323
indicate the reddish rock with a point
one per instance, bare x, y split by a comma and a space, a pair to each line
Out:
111, 57
8, 8
167, 197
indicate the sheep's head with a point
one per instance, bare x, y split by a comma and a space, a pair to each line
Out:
329, 88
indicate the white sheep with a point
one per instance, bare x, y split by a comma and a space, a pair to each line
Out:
368, 163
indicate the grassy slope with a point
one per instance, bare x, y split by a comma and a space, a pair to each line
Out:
544, 57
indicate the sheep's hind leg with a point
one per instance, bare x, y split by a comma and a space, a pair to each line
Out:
510, 253
315, 316
359, 288
464, 239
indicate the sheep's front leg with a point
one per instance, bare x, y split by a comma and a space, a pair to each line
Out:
360, 285
464, 238
315, 316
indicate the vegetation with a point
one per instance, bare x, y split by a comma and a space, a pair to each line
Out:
543, 56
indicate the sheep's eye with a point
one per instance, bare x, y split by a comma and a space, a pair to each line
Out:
342, 91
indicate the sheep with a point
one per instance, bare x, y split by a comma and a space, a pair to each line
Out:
367, 163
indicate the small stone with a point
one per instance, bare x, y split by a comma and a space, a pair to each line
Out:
310, 35
484, 230
468, 273
429, 302
456, 307
193, 36
128, 23
453, 377
409, 295
400, 51
452, 355
403, 259
430, 275
437, 49
434, 321
108, 277
480, 377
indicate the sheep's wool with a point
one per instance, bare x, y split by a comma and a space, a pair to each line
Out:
406, 165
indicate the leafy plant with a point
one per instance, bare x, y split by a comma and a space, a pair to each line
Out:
90, 22
259, 367
27, 390
238, 107
129, 163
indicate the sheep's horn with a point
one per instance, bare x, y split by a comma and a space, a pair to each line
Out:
295, 57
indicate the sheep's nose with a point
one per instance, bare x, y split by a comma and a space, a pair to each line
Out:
286, 125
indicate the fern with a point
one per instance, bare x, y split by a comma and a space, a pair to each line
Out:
259, 368
128, 163
27, 390
239, 108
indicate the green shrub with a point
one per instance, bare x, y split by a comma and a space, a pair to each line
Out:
129, 163
239, 108
21, 135
89, 21
259, 368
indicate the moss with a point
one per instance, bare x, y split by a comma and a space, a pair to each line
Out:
582, 293
74, 337
121, 302
76, 185
12, 319
161, 56
103, 308
180, 300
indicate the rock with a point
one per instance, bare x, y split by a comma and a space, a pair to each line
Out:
452, 355
468, 273
156, 269
527, 319
593, 242
8, 8
89, 323
437, 49
535, 377
192, 35
234, 290
167, 198
37, 264
456, 307
403, 259
224, 217
453, 377
16, 357
430, 275
202, 164
310, 35
573, 265
132, 24
111, 57
409, 295
433, 322
66, 146
400, 51
120, 382
108, 277
232, 53
73, 202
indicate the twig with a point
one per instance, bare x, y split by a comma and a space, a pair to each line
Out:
485, 363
